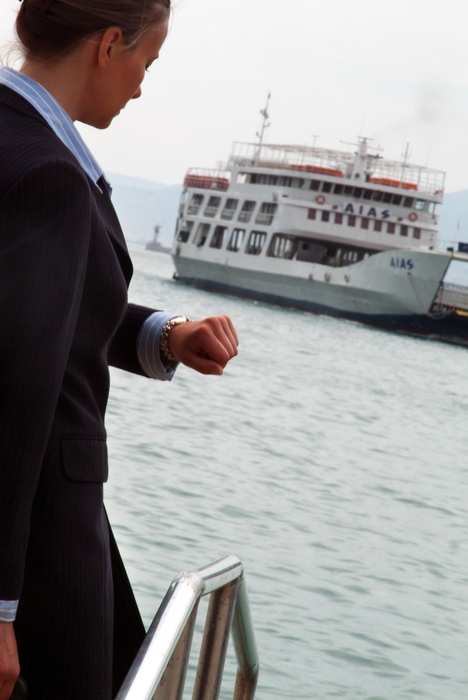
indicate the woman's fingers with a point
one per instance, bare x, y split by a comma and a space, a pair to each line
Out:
9, 664
206, 345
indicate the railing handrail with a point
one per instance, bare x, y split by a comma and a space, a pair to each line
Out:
177, 613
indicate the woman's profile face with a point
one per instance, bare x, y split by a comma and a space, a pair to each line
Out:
121, 78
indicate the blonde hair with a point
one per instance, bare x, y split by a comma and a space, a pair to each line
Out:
47, 29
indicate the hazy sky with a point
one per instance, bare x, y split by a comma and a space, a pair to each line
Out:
394, 71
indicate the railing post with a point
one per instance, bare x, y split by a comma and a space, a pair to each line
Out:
215, 642
171, 685
160, 666
245, 647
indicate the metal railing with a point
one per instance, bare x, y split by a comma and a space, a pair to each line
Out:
160, 667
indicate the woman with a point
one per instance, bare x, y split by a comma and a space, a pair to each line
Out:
67, 613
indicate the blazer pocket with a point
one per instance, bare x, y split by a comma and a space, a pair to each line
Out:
85, 459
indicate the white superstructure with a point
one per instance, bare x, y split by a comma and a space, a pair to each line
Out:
348, 234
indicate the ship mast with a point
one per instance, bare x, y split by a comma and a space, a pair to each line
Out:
265, 122
403, 165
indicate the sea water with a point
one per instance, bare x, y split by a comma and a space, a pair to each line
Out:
331, 458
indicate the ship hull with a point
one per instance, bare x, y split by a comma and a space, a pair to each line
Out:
391, 298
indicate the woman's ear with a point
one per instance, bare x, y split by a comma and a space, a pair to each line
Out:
109, 43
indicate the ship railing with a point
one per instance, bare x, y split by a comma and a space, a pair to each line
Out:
452, 245
264, 219
211, 212
160, 667
338, 164
193, 209
245, 216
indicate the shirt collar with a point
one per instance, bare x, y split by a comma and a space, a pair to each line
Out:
58, 120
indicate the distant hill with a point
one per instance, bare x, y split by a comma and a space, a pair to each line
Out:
141, 204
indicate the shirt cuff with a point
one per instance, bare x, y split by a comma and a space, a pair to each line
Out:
148, 352
8, 610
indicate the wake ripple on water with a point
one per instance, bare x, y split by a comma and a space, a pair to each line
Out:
331, 459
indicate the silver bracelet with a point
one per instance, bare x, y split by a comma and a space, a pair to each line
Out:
163, 341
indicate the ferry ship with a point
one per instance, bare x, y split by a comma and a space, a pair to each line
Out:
348, 234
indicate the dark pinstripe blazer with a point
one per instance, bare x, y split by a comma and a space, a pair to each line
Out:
64, 273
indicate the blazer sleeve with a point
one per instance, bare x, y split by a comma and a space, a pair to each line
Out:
45, 222
123, 348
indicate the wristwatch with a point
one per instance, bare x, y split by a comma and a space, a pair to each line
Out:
163, 341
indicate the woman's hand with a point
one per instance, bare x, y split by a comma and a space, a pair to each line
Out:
206, 346
9, 663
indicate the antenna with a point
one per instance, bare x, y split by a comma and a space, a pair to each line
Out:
265, 122
406, 155
362, 139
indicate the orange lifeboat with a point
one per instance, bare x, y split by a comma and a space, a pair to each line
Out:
393, 183
317, 169
206, 182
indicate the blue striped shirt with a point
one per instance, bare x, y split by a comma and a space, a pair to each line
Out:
63, 126
56, 117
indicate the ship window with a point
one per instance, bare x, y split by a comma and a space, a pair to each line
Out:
338, 189
327, 187
312, 213
338, 218
266, 214
348, 190
241, 178
268, 208
218, 236
357, 192
387, 198
325, 216
195, 204
403, 230
377, 225
281, 246
249, 205
236, 239
314, 185
263, 179
212, 206
408, 202
377, 196
255, 244
396, 199
364, 223
185, 231
420, 204
246, 211
297, 182
202, 234
367, 194
416, 233
229, 209
351, 220
390, 227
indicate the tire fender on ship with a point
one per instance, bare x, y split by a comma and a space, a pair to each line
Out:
320, 199
413, 216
